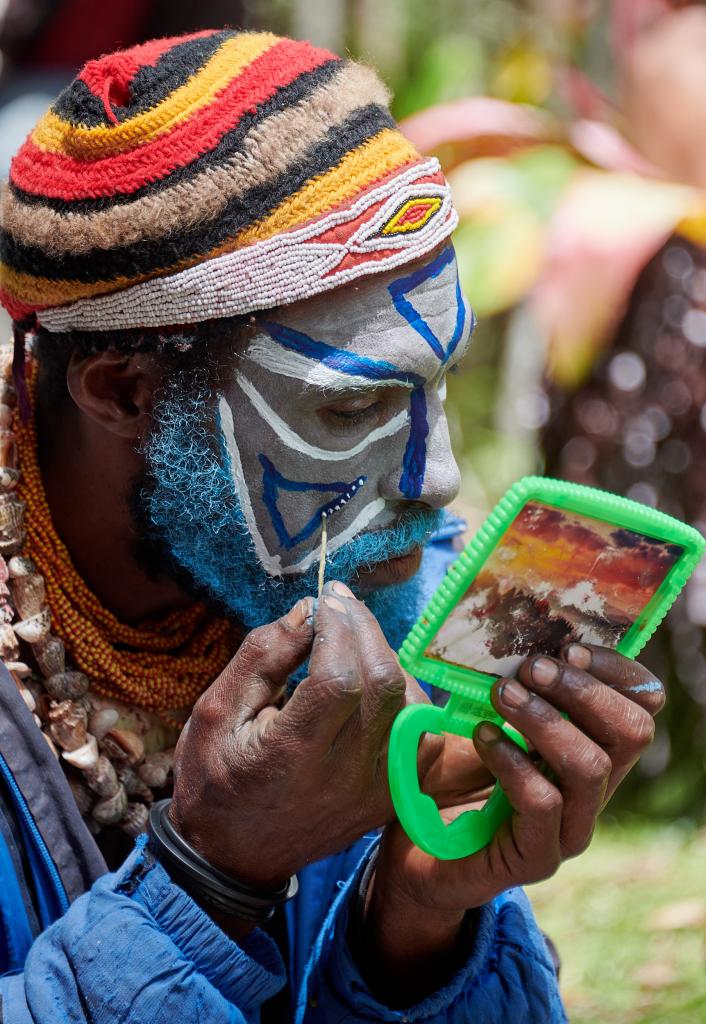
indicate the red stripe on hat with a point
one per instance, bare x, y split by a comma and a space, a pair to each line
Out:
110, 77
18, 310
60, 177
143, 55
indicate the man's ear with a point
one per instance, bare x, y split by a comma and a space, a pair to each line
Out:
115, 390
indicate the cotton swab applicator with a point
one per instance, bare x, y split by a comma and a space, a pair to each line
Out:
322, 556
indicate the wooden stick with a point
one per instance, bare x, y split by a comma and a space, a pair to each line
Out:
322, 557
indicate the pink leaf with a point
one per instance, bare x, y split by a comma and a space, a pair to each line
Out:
487, 126
605, 147
604, 230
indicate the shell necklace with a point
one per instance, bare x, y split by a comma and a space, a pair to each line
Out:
119, 673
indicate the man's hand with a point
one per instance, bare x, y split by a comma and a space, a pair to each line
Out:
263, 789
417, 903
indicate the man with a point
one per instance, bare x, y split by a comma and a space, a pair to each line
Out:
177, 456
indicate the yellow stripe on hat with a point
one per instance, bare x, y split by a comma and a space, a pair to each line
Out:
357, 170
46, 291
55, 135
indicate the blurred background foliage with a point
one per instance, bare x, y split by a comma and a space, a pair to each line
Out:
574, 136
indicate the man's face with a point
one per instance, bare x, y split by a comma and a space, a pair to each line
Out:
336, 408
336, 401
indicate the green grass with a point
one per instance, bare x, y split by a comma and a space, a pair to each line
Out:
629, 920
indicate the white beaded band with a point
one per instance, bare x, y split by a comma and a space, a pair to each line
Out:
393, 224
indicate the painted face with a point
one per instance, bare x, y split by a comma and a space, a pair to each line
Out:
336, 408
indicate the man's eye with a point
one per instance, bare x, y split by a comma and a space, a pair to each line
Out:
354, 412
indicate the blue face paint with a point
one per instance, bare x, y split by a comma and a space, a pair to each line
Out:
414, 461
192, 507
338, 359
273, 482
651, 686
399, 290
415, 455
414, 458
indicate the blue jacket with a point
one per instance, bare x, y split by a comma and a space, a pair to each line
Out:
80, 945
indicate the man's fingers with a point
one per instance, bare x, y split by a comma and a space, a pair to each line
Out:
356, 685
582, 768
528, 848
350, 654
628, 677
319, 709
613, 719
386, 686
322, 704
257, 674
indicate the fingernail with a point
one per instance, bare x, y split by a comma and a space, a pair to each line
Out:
297, 615
578, 656
336, 587
312, 610
333, 602
544, 671
513, 694
488, 733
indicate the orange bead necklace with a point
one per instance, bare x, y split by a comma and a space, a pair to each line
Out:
160, 665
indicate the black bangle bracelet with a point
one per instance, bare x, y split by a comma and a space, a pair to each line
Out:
205, 883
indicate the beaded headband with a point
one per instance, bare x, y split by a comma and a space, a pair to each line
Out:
393, 224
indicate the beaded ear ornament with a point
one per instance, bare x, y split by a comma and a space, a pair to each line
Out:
110, 775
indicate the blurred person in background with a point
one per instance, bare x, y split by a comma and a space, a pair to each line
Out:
235, 304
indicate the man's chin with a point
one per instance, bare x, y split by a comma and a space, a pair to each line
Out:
390, 572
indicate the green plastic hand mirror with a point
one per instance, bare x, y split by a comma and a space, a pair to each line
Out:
553, 563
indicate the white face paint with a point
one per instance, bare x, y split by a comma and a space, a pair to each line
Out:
336, 407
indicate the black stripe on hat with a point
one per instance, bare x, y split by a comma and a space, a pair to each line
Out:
78, 106
152, 85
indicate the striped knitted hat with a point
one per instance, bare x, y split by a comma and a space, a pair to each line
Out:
206, 176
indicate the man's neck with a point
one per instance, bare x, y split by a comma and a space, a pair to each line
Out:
87, 478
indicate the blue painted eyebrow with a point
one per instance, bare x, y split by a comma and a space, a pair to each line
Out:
457, 354
338, 359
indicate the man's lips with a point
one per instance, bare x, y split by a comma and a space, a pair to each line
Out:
398, 569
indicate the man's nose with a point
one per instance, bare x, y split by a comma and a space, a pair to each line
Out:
441, 479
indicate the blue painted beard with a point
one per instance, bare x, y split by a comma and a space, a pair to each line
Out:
192, 515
